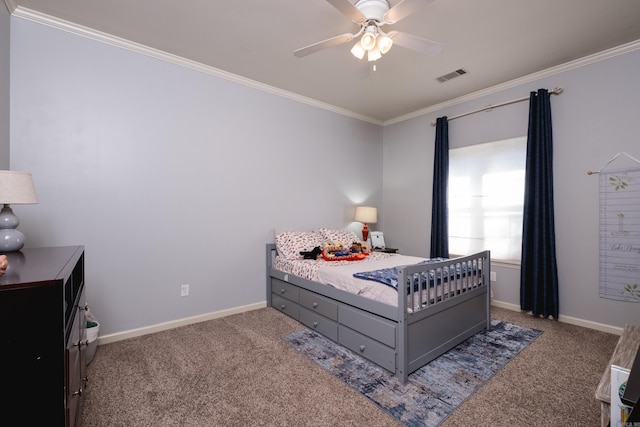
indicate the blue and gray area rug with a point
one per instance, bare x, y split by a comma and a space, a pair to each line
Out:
434, 391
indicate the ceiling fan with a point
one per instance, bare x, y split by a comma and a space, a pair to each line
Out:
371, 16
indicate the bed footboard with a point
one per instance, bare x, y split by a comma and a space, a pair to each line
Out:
444, 303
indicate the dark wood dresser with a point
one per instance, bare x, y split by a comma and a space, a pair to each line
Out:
42, 337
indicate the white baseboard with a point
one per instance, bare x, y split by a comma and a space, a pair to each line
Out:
567, 319
119, 336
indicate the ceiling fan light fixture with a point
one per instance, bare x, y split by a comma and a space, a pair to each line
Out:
374, 54
370, 16
358, 51
384, 43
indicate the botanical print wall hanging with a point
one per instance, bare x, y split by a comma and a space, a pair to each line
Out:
620, 234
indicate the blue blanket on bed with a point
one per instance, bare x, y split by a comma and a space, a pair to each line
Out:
389, 276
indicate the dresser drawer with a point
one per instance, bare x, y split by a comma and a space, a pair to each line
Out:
368, 324
284, 305
284, 289
368, 348
319, 304
319, 324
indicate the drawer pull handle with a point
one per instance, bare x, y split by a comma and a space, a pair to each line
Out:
362, 348
282, 306
78, 393
315, 324
315, 305
283, 290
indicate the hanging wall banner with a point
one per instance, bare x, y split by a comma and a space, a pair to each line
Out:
620, 235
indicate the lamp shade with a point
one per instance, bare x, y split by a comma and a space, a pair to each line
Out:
384, 43
366, 214
358, 51
17, 188
368, 40
374, 54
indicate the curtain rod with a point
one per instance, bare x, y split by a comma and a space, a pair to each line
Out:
555, 91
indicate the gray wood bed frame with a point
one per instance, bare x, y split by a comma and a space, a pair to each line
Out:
399, 339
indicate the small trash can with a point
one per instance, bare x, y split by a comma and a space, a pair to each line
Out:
92, 340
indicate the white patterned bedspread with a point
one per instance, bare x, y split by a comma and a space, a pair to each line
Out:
339, 274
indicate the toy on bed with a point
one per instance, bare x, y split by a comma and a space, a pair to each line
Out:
312, 254
335, 251
360, 247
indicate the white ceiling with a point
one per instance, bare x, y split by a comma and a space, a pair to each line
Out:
494, 40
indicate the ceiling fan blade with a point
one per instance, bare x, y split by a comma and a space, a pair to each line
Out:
416, 43
349, 10
403, 9
313, 48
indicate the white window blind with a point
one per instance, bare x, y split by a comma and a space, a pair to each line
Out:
486, 197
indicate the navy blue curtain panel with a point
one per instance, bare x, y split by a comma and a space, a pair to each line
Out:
538, 269
439, 208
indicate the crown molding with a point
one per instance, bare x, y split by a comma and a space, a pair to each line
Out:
61, 24
591, 59
11, 5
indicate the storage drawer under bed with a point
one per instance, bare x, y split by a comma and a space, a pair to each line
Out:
284, 289
284, 305
319, 324
319, 304
368, 324
368, 348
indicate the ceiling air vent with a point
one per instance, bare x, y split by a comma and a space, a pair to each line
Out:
452, 75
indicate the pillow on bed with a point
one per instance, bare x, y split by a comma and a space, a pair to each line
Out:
345, 237
290, 243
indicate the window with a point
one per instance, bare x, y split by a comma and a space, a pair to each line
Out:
486, 198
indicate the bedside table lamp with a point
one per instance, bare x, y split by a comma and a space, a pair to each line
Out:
15, 188
365, 215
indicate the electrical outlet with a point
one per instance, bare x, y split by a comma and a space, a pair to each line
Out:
184, 290
493, 277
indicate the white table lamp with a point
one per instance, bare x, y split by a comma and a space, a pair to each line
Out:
15, 188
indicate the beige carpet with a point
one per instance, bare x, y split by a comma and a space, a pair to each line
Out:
236, 371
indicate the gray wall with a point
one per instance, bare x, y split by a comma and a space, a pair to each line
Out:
5, 35
594, 119
171, 176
